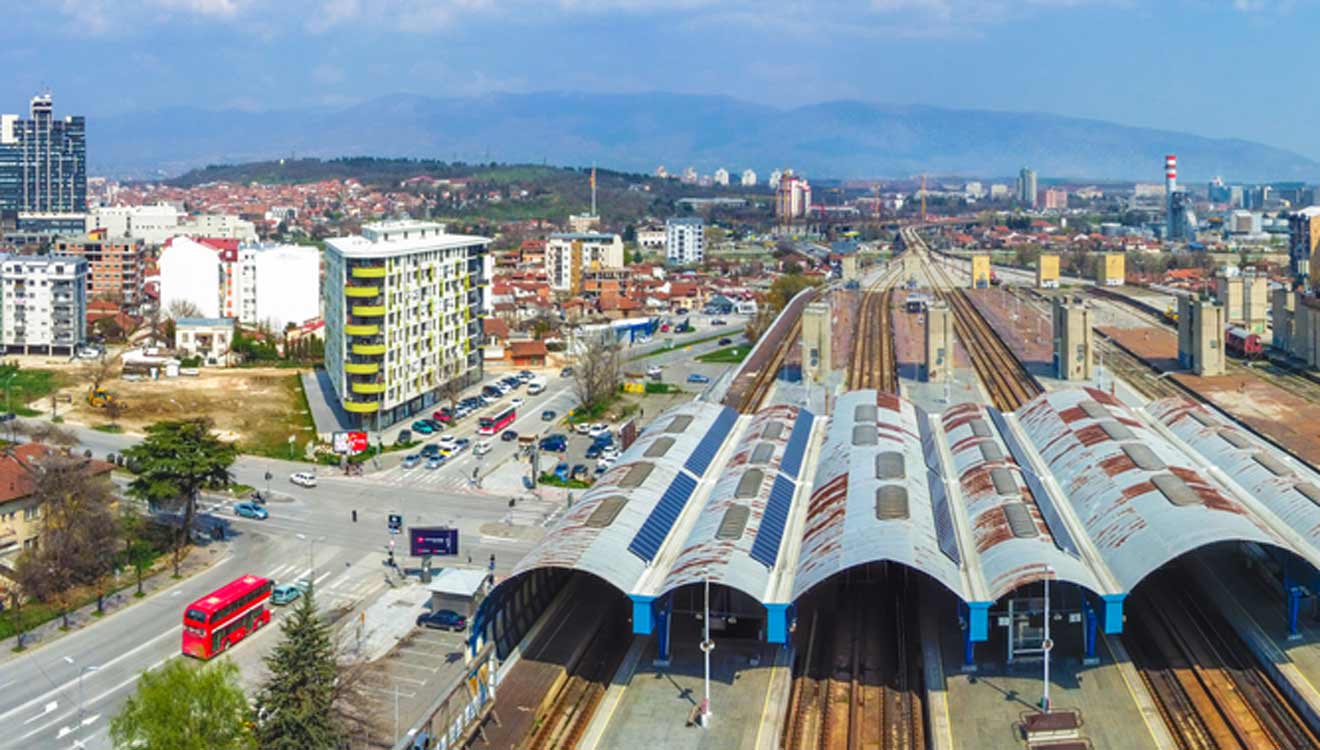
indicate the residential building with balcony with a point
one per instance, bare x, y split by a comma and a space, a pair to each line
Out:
114, 267
402, 305
685, 240
568, 255
45, 303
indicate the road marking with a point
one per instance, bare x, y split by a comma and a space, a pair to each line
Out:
49, 707
414, 681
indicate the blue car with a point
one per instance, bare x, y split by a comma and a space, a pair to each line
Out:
697, 377
251, 510
411, 461
555, 444
561, 472
435, 462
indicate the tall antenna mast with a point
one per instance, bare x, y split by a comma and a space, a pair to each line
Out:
593, 188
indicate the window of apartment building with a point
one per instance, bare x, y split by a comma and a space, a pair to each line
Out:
31, 512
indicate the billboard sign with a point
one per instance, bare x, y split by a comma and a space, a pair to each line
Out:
350, 443
429, 541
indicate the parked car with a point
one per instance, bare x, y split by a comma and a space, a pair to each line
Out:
251, 510
435, 424
481, 448
594, 450
654, 371
582, 429
422, 427
435, 462
430, 450
579, 472
554, 443
411, 461
517, 401
509, 436
697, 377
548, 415
303, 478
561, 471
405, 437
288, 593
610, 453
598, 429
725, 341
442, 619
719, 322
442, 415
604, 440
567, 372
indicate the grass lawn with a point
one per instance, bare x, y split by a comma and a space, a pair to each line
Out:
272, 439
727, 355
113, 429
26, 386
681, 344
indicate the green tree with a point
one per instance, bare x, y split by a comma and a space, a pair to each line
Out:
182, 705
296, 705
176, 461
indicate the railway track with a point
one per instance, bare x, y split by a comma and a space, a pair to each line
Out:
859, 685
570, 706
1007, 381
752, 384
874, 363
1209, 688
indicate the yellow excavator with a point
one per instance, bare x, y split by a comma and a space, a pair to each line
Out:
99, 397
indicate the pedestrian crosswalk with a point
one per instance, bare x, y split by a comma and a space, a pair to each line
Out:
419, 476
344, 588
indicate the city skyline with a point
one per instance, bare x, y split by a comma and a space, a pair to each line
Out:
236, 54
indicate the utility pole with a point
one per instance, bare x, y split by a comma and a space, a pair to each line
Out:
707, 645
1047, 645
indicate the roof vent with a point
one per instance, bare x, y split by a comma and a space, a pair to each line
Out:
1116, 430
774, 431
1203, 417
679, 424
749, 485
659, 448
1234, 438
1144, 457
865, 434
1003, 480
1175, 490
762, 453
1308, 491
1095, 410
866, 413
636, 475
979, 428
889, 466
891, 502
1020, 521
1275, 466
606, 512
990, 451
734, 522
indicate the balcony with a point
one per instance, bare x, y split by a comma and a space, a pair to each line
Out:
362, 329
368, 350
368, 272
370, 389
361, 368
362, 292
369, 311
361, 407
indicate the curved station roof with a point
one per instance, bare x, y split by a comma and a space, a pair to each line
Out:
1075, 486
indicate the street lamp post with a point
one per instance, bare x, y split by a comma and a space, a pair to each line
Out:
77, 742
311, 559
707, 645
1047, 645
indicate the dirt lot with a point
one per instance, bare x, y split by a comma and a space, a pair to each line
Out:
259, 407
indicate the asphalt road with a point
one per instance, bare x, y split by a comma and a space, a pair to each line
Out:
309, 532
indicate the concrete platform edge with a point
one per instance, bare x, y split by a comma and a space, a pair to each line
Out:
777, 695
1150, 713
623, 676
937, 698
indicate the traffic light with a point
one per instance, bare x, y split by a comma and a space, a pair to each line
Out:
396, 523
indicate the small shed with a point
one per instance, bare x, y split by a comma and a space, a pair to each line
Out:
460, 589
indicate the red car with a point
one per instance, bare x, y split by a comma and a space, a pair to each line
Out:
442, 415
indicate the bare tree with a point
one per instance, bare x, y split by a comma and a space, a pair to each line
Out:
596, 371
99, 370
182, 308
114, 409
47, 433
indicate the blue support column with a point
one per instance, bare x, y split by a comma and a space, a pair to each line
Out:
663, 614
776, 623
978, 621
1294, 608
969, 645
643, 614
1089, 621
1113, 613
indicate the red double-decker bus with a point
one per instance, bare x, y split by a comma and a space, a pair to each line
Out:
225, 616
492, 424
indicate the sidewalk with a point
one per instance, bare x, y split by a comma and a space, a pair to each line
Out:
198, 559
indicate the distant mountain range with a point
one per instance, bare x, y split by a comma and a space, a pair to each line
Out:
637, 132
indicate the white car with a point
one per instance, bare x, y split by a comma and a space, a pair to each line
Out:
598, 429
582, 429
610, 454
447, 442
654, 371
481, 448
517, 401
303, 479
604, 464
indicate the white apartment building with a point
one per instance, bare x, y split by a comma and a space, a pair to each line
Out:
403, 306
190, 272
722, 177
273, 285
154, 224
685, 241
748, 178
651, 238
568, 254
45, 303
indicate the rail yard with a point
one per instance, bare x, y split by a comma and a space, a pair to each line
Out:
828, 551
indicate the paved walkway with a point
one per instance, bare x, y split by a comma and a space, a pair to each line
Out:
328, 415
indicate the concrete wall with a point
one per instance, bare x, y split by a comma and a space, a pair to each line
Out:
1047, 270
939, 342
1073, 339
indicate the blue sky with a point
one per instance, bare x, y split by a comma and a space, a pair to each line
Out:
1226, 68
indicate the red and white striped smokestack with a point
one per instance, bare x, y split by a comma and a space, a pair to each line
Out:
1170, 174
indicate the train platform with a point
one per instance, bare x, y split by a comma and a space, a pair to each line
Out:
986, 709
1023, 327
651, 706
1252, 600
1278, 414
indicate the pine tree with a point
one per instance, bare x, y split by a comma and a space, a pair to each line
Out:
295, 707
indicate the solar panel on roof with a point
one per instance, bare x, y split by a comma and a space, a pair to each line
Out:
928, 449
705, 451
939, 503
796, 449
657, 525
765, 548
1053, 521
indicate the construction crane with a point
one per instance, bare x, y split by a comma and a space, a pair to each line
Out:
923, 199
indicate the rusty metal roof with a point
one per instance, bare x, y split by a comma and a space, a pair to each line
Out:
581, 541
848, 522
1010, 534
755, 467
1135, 517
